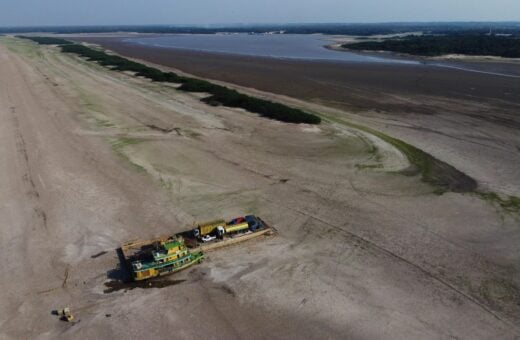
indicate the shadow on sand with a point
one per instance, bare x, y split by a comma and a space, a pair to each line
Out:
120, 278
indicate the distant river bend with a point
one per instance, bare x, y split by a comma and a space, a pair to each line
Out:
301, 47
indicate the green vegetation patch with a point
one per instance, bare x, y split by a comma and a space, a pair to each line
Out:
119, 144
441, 175
166, 183
434, 171
103, 123
444, 177
509, 204
500, 291
264, 108
436, 45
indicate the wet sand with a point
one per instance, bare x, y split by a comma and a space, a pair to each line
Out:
341, 84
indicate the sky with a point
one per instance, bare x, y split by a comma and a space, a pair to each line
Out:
203, 12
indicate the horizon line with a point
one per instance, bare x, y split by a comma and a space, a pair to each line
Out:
234, 25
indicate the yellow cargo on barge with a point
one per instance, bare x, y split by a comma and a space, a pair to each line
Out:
169, 254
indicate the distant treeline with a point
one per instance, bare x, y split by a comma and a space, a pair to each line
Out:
329, 28
219, 95
490, 45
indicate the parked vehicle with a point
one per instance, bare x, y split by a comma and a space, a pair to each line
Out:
207, 228
207, 238
253, 222
239, 225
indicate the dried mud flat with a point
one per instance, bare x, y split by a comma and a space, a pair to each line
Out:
92, 158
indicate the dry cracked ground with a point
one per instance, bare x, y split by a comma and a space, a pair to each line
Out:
91, 158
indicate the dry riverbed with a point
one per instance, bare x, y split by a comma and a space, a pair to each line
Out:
93, 158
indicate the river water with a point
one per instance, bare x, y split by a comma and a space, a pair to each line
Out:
286, 46
304, 47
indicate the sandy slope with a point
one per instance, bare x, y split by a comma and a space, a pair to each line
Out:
467, 119
360, 253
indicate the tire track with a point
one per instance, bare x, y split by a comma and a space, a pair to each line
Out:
400, 258
27, 177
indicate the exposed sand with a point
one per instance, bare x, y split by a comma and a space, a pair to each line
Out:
469, 120
361, 252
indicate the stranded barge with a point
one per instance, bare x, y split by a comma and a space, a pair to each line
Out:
170, 254
164, 257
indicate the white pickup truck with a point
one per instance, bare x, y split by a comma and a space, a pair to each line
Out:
207, 238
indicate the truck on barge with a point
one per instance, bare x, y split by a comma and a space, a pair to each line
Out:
169, 254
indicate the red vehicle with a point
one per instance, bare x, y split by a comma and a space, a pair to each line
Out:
237, 220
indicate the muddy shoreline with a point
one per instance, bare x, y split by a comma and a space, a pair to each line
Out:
340, 84
466, 119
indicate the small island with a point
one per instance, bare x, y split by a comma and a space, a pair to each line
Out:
506, 46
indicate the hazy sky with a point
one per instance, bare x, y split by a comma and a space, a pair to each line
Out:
94, 12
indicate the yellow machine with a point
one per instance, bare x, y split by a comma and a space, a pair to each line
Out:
208, 227
65, 314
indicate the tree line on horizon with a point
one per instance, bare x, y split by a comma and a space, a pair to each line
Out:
436, 45
358, 29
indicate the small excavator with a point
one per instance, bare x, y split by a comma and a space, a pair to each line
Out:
64, 314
